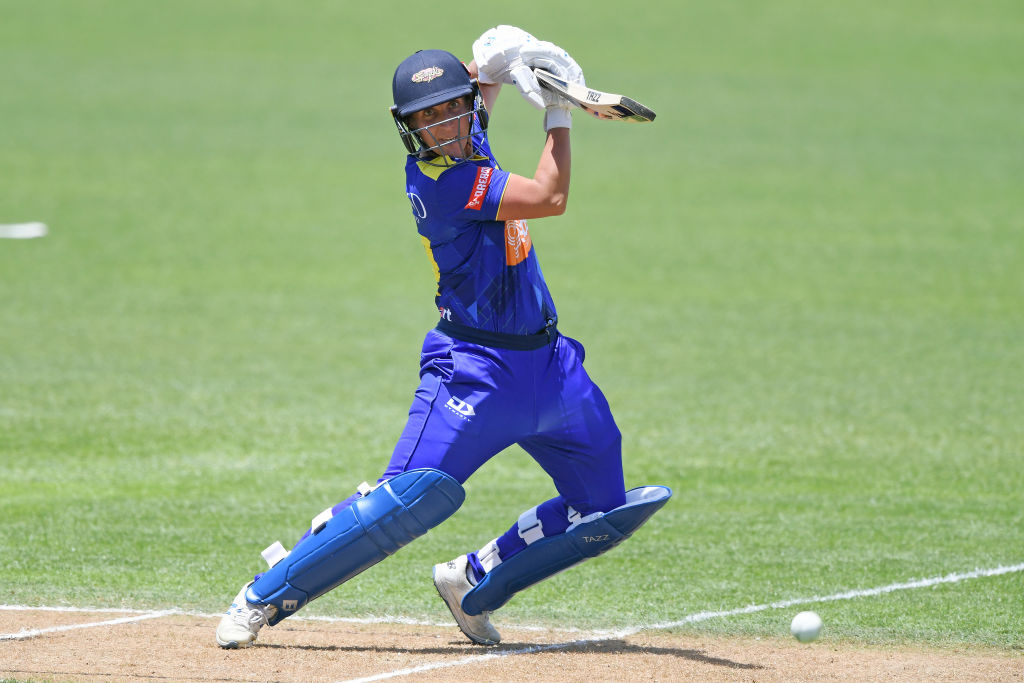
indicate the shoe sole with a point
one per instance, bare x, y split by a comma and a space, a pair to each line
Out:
441, 593
233, 644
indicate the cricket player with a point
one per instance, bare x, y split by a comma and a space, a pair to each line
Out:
494, 372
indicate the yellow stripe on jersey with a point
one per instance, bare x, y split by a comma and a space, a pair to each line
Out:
435, 169
432, 171
430, 255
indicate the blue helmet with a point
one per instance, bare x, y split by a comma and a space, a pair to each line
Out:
425, 79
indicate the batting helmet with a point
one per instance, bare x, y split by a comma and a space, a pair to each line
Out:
428, 78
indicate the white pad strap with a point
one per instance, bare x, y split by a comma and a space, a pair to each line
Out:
321, 519
365, 489
274, 553
530, 528
488, 556
575, 518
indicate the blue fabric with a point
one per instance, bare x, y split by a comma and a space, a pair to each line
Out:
474, 401
488, 275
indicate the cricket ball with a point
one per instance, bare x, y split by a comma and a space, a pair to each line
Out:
806, 626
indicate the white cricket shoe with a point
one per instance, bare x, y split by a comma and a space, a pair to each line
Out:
242, 622
452, 582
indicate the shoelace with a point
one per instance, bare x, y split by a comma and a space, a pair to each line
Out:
249, 617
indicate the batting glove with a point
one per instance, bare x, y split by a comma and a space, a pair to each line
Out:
497, 50
507, 54
541, 54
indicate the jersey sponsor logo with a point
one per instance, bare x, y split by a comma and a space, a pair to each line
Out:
419, 210
517, 242
460, 408
428, 74
479, 191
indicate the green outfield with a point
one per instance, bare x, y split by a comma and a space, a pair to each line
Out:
801, 289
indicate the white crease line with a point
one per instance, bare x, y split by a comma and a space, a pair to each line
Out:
847, 595
387, 619
71, 627
475, 659
98, 610
704, 616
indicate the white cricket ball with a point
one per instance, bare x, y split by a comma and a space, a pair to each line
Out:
806, 626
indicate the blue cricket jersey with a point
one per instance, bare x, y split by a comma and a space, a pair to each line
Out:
488, 277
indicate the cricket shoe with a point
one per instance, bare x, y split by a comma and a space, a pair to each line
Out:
452, 582
242, 622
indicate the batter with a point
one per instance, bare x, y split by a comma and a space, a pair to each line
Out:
494, 372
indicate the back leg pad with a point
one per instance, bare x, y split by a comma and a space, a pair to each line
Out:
552, 554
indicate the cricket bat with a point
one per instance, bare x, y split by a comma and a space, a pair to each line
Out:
603, 105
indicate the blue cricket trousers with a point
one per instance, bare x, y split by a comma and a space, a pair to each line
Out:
474, 401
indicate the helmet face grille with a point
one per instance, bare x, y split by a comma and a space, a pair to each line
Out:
426, 135
422, 142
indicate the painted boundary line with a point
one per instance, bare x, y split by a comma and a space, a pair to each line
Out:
705, 616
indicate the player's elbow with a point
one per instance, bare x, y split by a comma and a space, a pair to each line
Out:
558, 203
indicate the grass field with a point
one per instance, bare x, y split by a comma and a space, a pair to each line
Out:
801, 288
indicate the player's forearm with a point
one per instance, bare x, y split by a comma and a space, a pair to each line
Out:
489, 91
554, 170
547, 192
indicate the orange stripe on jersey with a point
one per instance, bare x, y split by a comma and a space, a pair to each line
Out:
517, 242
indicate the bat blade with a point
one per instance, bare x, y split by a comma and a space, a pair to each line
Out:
603, 105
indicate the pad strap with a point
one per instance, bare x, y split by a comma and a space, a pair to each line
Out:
274, 553
530, 528
488, 556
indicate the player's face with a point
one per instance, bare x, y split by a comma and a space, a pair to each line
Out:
444, 125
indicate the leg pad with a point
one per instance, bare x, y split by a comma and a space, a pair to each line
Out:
374, 526
553, 554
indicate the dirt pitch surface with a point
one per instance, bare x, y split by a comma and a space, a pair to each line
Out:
45, 645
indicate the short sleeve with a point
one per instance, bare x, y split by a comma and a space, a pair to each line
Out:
474, 192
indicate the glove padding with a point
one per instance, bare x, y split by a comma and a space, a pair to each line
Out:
495, 50
507, 54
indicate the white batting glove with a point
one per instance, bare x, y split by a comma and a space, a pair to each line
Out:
557, 111
496, 50
541, 54
496, 53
